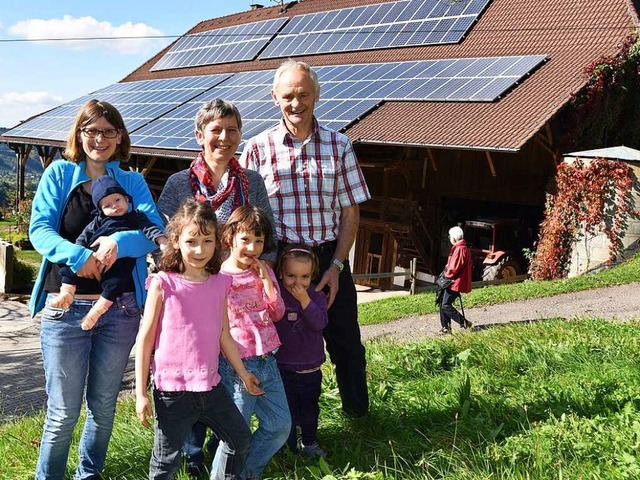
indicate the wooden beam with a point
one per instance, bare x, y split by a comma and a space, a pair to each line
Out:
148, 166
491, 165
22, 152
425, 164
432, 158
542, 140
46, 154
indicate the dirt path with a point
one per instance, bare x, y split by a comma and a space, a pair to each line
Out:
620, 302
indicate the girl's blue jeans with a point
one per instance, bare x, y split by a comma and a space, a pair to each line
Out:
75, 360
271, 409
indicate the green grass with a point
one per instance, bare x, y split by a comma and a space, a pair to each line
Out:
30, 257
9, 230
385, 310
548, 400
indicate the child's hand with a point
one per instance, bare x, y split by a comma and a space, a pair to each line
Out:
300, 293
261, 267
251, 384
144, 410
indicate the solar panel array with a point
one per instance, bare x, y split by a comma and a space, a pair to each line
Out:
223, 45
138, 102
348, 92
384, 25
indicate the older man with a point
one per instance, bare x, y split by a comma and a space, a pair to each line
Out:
315, 184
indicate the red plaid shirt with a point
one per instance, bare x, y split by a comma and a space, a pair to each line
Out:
308, 182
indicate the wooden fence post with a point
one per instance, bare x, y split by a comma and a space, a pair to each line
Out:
6, 266
414, 273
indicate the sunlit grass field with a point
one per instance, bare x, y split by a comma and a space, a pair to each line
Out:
550, 400
533, 401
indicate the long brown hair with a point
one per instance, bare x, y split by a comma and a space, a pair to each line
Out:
204, 218
91, 111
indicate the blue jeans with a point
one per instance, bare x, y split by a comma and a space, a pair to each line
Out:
75, 359
176, 412
271, 409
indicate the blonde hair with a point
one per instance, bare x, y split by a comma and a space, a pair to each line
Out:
204, 218
90, 112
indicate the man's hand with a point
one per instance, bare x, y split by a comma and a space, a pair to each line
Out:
331, 277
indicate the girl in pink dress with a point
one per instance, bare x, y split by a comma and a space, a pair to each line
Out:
184, 328
254, 305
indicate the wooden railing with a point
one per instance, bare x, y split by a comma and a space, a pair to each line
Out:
411, 274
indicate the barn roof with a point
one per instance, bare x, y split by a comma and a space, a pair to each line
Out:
569, 35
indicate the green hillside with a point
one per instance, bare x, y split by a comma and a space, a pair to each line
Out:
8, 160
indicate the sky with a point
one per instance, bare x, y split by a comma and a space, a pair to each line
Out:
36, 76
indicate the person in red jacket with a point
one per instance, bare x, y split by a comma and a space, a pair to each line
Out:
459, 270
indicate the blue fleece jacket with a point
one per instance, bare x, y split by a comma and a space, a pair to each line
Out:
49, 203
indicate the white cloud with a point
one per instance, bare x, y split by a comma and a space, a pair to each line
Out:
105, 34
29, 98
15, 107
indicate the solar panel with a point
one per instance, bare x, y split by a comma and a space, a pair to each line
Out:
347, 93
138, 103
397, 24
223, 45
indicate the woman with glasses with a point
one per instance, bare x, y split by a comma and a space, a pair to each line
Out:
75, 359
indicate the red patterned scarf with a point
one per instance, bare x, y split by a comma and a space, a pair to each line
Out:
204, 191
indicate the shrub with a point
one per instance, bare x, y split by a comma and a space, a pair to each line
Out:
23, 274
23, 217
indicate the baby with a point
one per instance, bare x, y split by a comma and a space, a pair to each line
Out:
112, 215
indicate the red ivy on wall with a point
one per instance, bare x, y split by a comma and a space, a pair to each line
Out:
590, 198
605, 111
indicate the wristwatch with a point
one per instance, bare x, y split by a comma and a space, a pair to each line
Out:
337, 263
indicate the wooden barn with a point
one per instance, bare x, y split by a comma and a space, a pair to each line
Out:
453, 106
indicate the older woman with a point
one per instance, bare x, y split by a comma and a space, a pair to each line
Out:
215, 177
85, 363
458, 269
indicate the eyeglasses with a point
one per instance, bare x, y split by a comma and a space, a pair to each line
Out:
106, 133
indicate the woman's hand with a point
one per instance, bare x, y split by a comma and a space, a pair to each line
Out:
107, 252
90, 269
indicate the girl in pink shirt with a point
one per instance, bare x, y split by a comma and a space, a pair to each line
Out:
254, 303
185, 326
